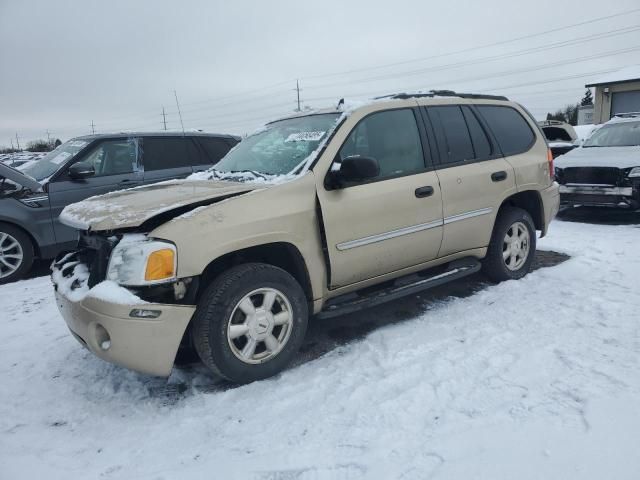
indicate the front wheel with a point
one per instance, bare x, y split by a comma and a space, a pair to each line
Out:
16, 253
513, 246
250, 322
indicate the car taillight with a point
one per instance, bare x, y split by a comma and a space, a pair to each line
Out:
552, 174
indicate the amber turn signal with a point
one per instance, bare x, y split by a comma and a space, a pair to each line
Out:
160, 265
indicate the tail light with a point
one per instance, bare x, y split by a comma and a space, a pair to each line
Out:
552, 173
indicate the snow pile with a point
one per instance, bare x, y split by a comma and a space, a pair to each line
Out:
110, 291
74, 284
585, 131
531, 379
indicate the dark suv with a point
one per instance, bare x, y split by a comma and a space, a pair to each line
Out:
32, 197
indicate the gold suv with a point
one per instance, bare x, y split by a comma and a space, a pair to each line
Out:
315, 215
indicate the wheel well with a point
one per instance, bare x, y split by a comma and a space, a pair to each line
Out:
283, 255
36, 247
530, 201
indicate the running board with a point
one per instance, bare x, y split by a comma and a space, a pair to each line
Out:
403, 286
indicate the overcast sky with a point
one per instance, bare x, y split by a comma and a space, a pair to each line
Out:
234, 64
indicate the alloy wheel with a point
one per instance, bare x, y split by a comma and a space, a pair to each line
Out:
516, 246
260, 325
11, 255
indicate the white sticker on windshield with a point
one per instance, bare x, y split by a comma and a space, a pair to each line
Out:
77, 143
305, 137
61, 157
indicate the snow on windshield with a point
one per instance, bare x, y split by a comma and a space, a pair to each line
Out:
618, 133
277, 152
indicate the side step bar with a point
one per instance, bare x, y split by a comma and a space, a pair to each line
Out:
401, 287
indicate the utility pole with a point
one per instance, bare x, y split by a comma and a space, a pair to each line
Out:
298, 94
93, 128
17, 141
11, 143
48, 136
164, 118
179, 113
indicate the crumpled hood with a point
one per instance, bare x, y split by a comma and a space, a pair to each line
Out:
19, 178
132, 207
618, 157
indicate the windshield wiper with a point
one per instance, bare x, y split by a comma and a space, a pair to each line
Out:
252, 172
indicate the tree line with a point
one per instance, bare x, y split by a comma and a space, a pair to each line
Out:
569, 113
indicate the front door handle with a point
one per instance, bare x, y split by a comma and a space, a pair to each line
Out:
422, 192
499, 176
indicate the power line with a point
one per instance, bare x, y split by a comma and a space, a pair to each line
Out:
364, 69
478, 47
517, 53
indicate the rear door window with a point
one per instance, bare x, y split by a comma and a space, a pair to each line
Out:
511, 130
165, 153
452, 133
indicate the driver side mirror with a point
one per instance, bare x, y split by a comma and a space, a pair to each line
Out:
355, 169
81, 170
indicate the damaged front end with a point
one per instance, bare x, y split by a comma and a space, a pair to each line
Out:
145, 267
599, 186
140, 327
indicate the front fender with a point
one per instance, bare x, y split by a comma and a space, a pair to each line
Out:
284, 213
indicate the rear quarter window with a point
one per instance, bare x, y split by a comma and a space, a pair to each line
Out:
511, 130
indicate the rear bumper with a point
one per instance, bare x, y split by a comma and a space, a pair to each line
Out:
551, 204
146, 345
598, 195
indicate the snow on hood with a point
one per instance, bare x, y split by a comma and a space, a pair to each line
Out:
132, 207
620, 157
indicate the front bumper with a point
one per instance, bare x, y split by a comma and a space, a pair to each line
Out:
146, 345
598, 195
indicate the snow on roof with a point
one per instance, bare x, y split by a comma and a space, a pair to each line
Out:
626, 74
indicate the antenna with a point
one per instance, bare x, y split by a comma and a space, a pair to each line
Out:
179, 113
164, 118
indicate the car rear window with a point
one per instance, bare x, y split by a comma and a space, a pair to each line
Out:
513, 133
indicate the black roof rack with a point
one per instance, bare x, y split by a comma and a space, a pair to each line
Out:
443, 93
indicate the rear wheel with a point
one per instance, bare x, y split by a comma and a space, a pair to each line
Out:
250, 322
16, 253
512, 247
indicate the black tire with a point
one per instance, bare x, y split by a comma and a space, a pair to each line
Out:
214, 313
26, 249
494, 265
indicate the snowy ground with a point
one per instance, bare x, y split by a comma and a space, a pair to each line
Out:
530, 379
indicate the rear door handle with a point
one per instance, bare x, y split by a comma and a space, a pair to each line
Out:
499, 176
424, 191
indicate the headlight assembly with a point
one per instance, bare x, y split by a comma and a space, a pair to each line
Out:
138, 261
634, 172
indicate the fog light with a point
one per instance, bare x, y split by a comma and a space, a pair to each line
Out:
143, 313
102, 337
